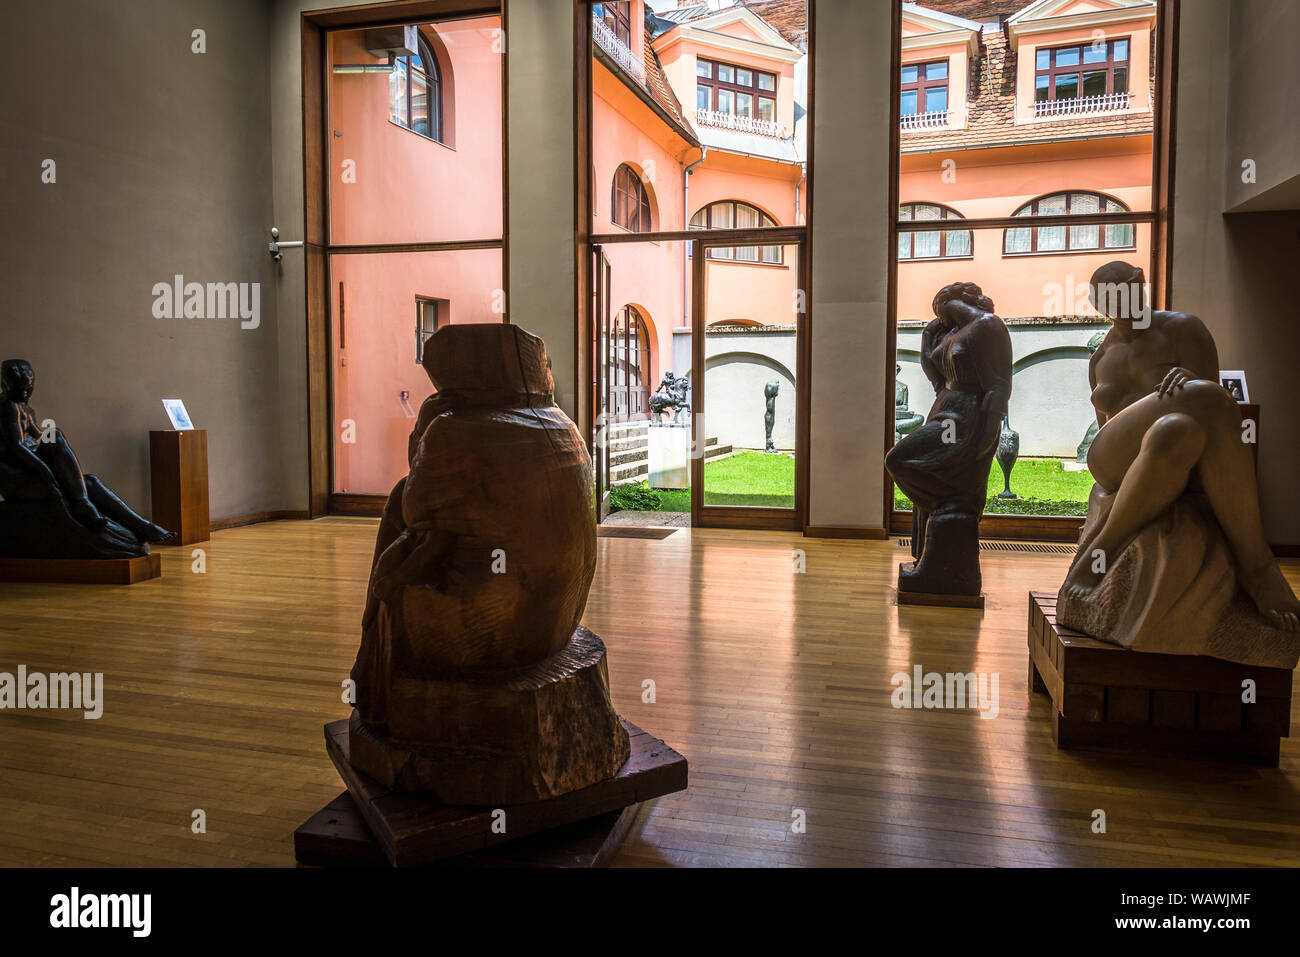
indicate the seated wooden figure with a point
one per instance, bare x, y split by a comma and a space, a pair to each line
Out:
50, 508
943, 466
1172, 556
474, 680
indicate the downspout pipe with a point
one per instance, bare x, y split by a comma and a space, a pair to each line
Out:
686, 219
802, 178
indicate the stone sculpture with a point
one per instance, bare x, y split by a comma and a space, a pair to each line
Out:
1008, 452
943, 466
52, 509
769, 417
474, 680
1172, 556
905, 420
675, 394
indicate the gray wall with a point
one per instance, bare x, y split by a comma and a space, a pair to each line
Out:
161, 168
1237, 271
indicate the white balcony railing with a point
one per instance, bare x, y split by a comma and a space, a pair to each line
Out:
616, 48
938, 119
1097, 103
742, 124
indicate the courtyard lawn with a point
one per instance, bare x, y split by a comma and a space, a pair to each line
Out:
745, 478
1044, 487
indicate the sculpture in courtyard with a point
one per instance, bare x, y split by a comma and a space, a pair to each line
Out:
673, 393
769, 416
1172, 556
1008, 452
905, 420
51, 509
943, 466
474, 680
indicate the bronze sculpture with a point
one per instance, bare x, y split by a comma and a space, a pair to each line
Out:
1172, 556
51, 508
769, 416
474, 679
905, 420
675, 394
943, 466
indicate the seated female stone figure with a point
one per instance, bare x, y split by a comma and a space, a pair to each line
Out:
88, 520
943, 466
1173, 527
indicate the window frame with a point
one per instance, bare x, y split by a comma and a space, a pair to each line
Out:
644, 221
922, 85
433, 91
421, 339
947, 214
1110, 64
714, 252
753, 90
617, 16
1068, 249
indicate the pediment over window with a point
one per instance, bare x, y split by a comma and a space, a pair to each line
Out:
1048, 15
923, 28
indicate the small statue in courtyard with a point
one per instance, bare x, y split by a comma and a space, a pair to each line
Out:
675, 394
1172, 555
943, 466
905, 420
769, 417
51, 508
1008, 452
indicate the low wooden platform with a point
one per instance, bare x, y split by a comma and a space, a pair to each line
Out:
413, 830
337, 836
944, 601
1105, 696
105, 571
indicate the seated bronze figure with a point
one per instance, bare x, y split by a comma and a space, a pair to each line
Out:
1172, 556
943, 466
51, 509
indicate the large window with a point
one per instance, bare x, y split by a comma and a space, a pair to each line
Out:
629, 371
1094, 72
1031, 240
630, 203
936, 244
737, 90
924, 88
415, 90
730, 214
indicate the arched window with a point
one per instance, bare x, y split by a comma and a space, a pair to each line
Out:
932, 244
731, 214
1030, 240
415, 90
630, 203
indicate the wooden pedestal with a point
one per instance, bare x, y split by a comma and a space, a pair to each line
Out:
337, 836
1105, 696
178, 467
102, 571
946, 601
413, 830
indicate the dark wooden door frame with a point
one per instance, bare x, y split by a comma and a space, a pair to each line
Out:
1160, 219
316, 26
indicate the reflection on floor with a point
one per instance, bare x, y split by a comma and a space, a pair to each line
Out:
775, 683
651, 519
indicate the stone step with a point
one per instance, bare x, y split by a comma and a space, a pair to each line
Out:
626, 445
715, 451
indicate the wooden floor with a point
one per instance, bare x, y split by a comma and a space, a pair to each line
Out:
775, 685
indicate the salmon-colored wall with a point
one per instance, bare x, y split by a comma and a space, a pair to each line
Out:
995, 183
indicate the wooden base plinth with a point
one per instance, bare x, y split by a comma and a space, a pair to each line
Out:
337, 836
947, 601
1105, 696
103, 571
412, 830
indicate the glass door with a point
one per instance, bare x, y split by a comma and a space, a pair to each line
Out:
600, 378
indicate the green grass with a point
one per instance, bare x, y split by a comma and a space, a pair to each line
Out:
1044, 487
746, 478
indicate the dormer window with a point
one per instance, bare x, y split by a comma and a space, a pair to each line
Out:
924, 88
1088, 76
617, 17
737, 90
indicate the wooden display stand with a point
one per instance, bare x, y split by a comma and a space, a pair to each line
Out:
1105, 696
178, 467
944, 601
578, 829
99, 571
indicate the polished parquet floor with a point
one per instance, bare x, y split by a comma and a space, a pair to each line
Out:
775, 684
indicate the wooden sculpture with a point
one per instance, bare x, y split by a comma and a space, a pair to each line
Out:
474, 680
1172, 556
943, 467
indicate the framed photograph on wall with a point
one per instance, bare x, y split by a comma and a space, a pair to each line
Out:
1234, 380
176, 412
